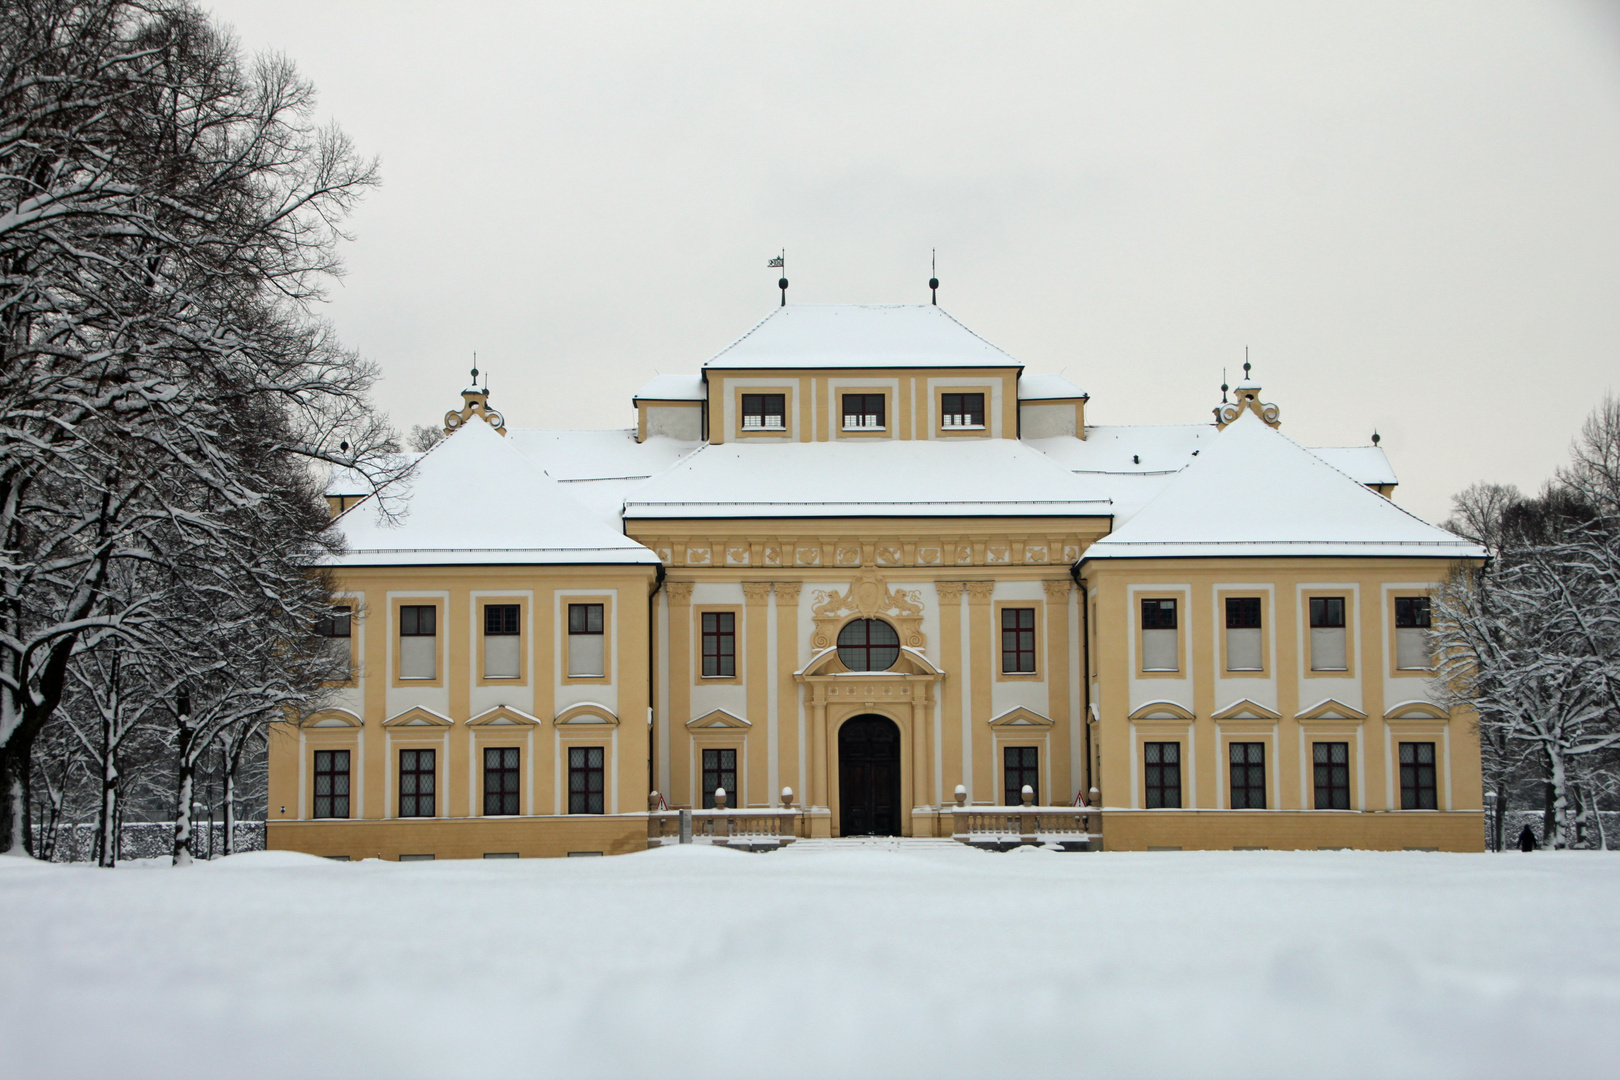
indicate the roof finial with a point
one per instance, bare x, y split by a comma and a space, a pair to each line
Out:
933, 274
1223, 386
1375, 436
475, 368
1245, 363
781, 283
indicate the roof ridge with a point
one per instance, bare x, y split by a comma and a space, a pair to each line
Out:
978, 335
740, 340
1386, 499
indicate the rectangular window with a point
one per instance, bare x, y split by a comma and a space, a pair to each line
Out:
1163, 771
336, 627
720, 771
1021, 768
863, 412
1160, 648
1243, 651
502, 641
336, 622
587, 654
1417, 776
1328, 651
1331, 761
416, 783
418, 642
585, 785
1248, 761
500, 780
1412, 633
961, 410
1017, 640
764, 412
331, 783
719, 645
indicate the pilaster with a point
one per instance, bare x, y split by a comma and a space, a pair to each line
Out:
789, 713
680, 691
950, 655
756, 613
981, 637
1058, 688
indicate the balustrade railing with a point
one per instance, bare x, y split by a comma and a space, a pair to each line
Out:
1025, 824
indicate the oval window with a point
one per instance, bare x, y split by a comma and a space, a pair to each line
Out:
868, 645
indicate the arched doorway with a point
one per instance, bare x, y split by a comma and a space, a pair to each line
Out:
869, 777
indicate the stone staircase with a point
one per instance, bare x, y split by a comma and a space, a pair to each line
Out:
914, 844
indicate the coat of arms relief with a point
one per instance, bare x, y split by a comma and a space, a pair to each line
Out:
870, 597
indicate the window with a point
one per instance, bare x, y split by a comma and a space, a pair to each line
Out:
1248, 760
1332, 763
719, 771
502, 641
1017, 640
961, 410
1328, 651
336, 628
1412, 633
418, 646
863, 412
1243, 649
1021, 769
868, 645
1159, 646
501, 780
719, 645
336, 623
331, 783
764, 412
416, 784
1417, 776
585, 780
1163, 771
586, 653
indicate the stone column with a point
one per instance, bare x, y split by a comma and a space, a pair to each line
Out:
981, 635
680, 692
756, 672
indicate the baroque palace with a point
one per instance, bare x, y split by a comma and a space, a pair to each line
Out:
864, 575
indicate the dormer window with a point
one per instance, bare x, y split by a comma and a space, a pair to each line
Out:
764, 412
863, 412
958, 411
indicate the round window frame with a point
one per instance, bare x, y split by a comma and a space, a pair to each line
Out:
867, 647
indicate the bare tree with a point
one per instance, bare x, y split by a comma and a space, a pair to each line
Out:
167, 215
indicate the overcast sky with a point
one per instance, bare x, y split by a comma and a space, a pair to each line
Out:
1410, 213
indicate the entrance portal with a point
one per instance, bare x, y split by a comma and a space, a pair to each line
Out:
869, 777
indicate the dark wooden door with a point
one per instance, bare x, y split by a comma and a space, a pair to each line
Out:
869, 777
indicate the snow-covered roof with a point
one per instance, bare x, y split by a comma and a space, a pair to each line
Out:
1047, 388
860, 335
1254, 491
341, 481
599, 468
980, 478
673, 388
1366, 464
475, 498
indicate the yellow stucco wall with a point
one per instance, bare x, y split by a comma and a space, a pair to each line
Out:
1372, 707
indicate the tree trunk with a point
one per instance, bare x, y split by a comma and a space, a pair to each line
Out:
186, 776
15, 835
230, 808
107, 819
1563, 813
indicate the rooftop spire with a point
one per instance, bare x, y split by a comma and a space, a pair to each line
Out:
933, 273
781, 283
1248, 397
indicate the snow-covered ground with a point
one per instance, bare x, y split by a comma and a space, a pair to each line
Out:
693, 962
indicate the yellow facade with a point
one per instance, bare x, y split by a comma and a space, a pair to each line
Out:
1019, 658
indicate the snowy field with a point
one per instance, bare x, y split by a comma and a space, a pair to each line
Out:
692, 962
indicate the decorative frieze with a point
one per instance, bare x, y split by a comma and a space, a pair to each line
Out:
887, 554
